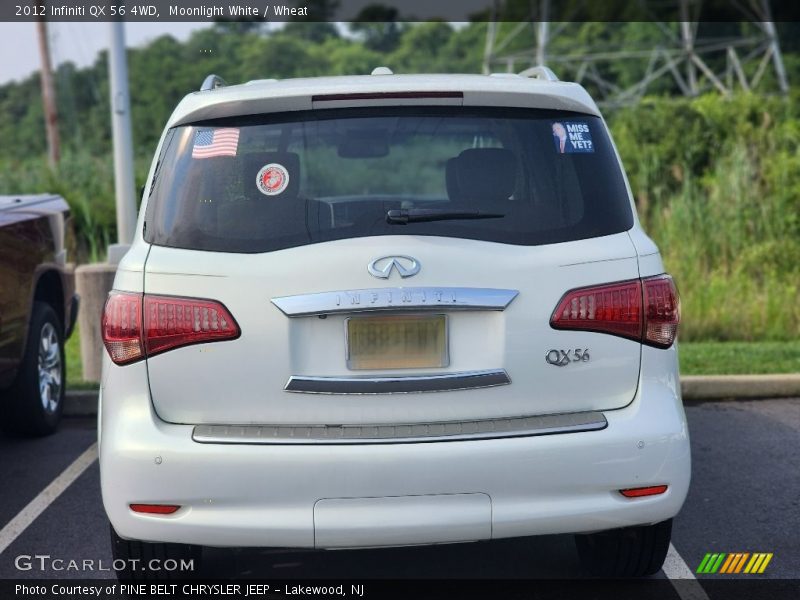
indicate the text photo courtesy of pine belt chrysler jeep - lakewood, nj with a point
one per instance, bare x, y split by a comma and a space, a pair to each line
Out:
422, 304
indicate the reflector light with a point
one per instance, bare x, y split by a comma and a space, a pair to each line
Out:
653, 490
155, 509
169, 323
645, 310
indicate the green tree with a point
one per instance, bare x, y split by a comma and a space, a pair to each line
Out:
376, 25
421, 48
318, 26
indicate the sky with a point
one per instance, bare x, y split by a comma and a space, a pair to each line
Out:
78, 42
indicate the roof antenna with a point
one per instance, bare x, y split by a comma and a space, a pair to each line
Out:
212, 82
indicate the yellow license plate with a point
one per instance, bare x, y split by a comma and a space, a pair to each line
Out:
397, 342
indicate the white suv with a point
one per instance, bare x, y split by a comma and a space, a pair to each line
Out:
392, 310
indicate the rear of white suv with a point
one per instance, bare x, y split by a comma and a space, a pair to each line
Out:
392, 310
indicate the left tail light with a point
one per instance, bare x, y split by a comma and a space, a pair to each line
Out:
136, 326
122, 327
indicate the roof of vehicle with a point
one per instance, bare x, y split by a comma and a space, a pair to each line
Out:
265, 96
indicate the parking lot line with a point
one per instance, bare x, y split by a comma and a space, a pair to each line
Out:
37, 506
681, 577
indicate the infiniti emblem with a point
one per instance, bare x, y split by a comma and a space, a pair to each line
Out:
382, 267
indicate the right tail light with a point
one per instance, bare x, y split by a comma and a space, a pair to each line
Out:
646, 310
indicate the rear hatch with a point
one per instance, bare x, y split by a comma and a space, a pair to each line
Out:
369, 252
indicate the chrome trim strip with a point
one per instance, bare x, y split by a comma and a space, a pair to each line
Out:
369, 384
448, 431
395, 298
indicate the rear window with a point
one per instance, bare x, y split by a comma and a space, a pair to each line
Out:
265, 183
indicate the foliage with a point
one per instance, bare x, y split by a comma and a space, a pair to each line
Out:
716, 181
717, 184
87, 183
378, 27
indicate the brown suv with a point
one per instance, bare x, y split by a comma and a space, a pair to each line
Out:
38, 308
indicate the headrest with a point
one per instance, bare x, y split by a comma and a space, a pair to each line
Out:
271, 175
451, 179
482, 174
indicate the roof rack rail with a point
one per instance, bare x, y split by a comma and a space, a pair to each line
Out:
212, 82
540, 72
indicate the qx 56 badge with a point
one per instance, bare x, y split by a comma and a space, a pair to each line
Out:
561, 358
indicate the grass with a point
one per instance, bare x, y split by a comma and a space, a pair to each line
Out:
75, 365
739, 358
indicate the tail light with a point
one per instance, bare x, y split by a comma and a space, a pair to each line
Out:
136, 326
663, 311
645, 310
122, 327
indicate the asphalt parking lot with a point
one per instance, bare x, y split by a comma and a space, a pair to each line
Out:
744, 497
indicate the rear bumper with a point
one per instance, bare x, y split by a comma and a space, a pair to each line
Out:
374, 495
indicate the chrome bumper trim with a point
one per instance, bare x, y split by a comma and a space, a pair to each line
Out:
407, 384
450, 431
405, 298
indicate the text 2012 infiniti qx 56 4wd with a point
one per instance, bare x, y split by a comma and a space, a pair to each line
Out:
392, 310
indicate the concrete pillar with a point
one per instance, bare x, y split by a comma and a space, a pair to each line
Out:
93, 282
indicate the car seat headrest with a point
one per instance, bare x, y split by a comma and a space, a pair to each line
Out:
481, 174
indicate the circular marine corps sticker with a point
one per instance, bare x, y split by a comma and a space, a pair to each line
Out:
272, 179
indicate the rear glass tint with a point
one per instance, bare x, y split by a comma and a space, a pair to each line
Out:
265, 183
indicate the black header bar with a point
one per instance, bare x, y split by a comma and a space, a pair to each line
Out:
278, 11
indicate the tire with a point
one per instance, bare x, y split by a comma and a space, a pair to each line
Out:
35, 401
630, 552
137, 555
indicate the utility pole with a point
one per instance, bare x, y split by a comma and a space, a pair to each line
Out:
543, 33
93, 282
48, 97
687, 36
123, 143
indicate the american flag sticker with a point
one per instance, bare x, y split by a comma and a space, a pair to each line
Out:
215, 142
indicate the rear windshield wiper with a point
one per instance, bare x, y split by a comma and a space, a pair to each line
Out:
404, 216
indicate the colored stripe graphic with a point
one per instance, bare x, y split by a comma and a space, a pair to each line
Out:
711, 563
734, 562
740, 564
758, 563
704, 563
732, 558
765, 563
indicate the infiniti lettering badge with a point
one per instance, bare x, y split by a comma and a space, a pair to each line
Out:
382, 267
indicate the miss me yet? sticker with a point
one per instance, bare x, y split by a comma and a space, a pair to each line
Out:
572, 136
